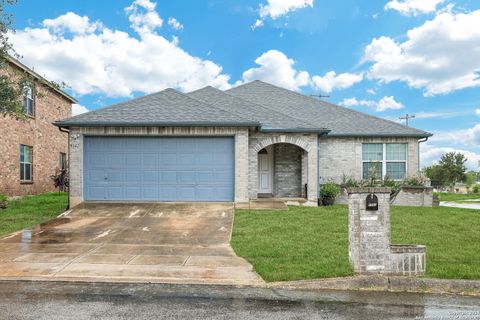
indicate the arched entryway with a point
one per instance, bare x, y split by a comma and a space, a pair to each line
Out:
283, 166
282, 171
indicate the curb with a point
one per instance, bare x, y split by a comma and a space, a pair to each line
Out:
386, 283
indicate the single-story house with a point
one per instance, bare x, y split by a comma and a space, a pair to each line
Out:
254, 140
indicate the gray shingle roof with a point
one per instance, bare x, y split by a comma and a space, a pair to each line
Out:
270, 120
255, 104
164, 108
340, 120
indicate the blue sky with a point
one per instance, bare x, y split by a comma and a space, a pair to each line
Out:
385, 57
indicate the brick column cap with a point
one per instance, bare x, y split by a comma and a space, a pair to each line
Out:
369, 190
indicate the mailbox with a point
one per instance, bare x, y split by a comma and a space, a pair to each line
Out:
372, 203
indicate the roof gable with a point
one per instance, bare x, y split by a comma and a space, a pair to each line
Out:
165, 108
268, 118
340, 120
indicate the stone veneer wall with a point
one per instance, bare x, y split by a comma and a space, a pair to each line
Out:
287, 177
369, 248
408, 196
339, 156
369, 231
76, 151
414, 196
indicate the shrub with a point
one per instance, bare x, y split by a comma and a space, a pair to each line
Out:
329, 192
476, 188
349, 182
394, 186
3, 201
61, 179
415, 181
330, 189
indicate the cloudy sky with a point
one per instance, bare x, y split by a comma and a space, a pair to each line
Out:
383, 57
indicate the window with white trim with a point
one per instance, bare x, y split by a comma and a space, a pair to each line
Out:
62, 160
26, 163
28, 100
388, 159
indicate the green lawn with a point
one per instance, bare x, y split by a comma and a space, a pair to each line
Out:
31, 210
301, 243
456, 196
309, 243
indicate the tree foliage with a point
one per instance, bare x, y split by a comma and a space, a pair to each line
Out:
11, 88
449, 170
436, 175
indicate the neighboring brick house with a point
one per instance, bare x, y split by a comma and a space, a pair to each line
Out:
32, 149
254, 140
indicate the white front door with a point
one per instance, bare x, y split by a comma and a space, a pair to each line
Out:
265, 172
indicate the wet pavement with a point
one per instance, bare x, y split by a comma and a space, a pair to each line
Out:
167, 242
52, 300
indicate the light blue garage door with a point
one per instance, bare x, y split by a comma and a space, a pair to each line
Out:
159, 169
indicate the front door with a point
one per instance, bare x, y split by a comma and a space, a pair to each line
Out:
265, 172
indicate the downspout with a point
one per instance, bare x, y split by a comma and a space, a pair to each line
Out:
318, 170
418, 155
68, 160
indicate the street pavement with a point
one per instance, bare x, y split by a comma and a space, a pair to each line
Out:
68, 300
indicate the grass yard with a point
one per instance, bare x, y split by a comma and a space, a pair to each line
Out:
309, 243
31, 210
456, 196
301, 243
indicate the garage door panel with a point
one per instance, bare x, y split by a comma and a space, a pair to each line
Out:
168, 160
150, 176
187, 193
150, 160
133, 159
186, 177
159, 169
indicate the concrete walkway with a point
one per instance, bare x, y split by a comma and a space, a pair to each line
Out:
464, 205
169, 242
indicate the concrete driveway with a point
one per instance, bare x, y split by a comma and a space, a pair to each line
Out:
161, 242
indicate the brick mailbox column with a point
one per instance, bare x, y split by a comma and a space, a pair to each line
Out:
369, 231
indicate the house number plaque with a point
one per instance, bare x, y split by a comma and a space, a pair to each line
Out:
372, 202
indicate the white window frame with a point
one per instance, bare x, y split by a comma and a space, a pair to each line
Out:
384, 160
26, 162
29, 96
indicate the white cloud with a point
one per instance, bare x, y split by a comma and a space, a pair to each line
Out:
466, 137
78, 109
277, 8
73, 23
430, 154
477, 112
143, 17
441, 115
413, 7
174, 23
386, 103
275, 67
371, 91
331, 81
94, 60
440, 56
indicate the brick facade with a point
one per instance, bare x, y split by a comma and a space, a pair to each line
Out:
287, 174
343, 156
37, 132
296, 160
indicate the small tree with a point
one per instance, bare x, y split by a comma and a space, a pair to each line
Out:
436, 175
470, 178
61, 179
453, 167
